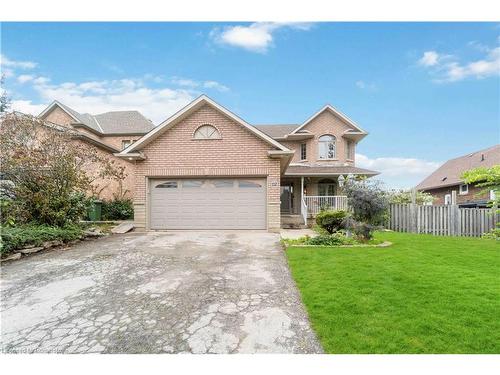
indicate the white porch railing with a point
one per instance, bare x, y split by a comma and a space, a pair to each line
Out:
315, 204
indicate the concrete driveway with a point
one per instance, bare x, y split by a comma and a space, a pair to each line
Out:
195, 292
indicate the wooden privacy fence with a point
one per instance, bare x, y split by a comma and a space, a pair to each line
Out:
447, 220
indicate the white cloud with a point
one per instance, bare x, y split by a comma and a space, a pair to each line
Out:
8, 66
366, 86
23, 78
256, 37
26, 106
6, 72
156, 103
398, 172
102, 96
6, 62
215, 85
430, 58
190, 83
185, 82
446, 68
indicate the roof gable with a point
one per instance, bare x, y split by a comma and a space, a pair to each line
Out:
55, 104
328, 107
186, 112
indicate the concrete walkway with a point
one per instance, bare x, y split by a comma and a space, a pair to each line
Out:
293, 234
164, 292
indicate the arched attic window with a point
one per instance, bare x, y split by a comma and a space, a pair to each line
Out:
326, 147
207, 132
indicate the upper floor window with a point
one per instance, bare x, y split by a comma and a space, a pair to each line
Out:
207, 132
303, 151
349, 150
326, 147
464, 189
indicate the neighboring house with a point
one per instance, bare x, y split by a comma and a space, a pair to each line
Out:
206, 168
109, 132
447, 179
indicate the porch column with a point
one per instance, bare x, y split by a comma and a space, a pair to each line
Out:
301, 192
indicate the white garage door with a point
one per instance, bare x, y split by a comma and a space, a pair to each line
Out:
208, 204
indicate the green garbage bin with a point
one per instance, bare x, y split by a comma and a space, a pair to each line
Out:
95, 211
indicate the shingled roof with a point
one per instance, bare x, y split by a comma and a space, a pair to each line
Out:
116, 122
449, 173
277, 131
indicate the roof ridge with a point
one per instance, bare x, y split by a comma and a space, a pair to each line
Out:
474, 152
98, 124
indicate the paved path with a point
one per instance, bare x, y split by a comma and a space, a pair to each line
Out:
194, 292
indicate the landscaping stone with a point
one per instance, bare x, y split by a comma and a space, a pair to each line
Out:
31, 250
93, 232
123, 228
12, 257
53, 243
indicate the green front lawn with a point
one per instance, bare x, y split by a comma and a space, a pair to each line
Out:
424, 294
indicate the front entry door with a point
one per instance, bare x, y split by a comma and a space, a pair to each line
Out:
286, 198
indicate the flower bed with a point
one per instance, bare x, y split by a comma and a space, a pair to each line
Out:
338, 239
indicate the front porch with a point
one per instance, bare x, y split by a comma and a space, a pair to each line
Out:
303, 198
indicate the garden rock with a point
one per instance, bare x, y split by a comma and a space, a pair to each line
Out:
12, 257
31, 250
53, 243
93, 232
123, 228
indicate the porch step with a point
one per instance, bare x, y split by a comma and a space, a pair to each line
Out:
292, 222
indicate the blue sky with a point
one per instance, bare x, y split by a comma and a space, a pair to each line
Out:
426, 92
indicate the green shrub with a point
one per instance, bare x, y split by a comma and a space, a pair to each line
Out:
493, 234
331, 220
369, 204
335, 239
119, 209
13, 238
368, 201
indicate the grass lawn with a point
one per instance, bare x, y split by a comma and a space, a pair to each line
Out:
424, 294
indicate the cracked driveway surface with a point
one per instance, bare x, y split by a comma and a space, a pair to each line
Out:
164, 292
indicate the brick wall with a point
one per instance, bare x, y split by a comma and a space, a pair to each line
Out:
58, 116
116, 140
325, 123
239, 153
473, 195
107, 188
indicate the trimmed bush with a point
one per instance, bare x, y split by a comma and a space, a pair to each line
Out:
335, 239
119, 209
331, 220
13, 238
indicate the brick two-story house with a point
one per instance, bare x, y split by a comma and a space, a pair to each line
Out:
206, 168
447, 178
109, 133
